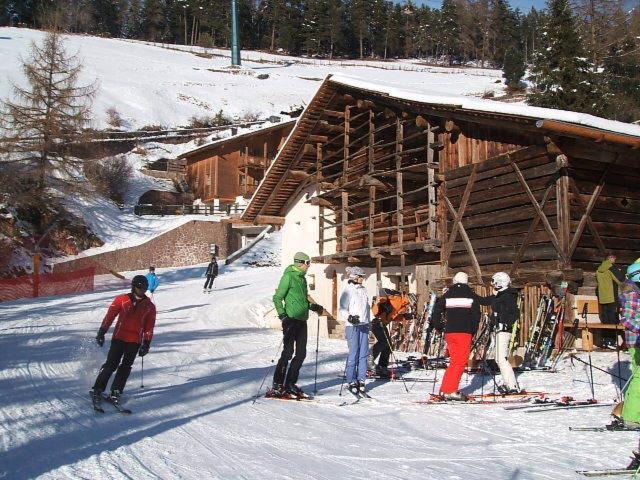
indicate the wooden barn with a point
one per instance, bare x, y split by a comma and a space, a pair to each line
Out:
233, 167
415, 187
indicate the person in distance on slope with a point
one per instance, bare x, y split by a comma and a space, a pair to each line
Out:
152, 279
630, 318
292, 303
356, 314
132, 335
504, 314
211, 273
458, 314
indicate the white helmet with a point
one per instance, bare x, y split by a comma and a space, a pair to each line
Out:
354, 273
461, 277
500, 281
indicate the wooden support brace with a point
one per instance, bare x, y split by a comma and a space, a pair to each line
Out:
539, 212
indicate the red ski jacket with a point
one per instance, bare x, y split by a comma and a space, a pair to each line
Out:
135, 320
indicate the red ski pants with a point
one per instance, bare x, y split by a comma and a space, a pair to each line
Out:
459, 345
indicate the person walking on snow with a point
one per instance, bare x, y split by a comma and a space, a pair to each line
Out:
355, 312
630, 318
132, 335
504, 314
211, 273
609, 278
458, 314
152, 279
292, 303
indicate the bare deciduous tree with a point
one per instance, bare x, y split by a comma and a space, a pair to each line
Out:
45, 118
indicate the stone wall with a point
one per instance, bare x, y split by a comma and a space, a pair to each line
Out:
185, 245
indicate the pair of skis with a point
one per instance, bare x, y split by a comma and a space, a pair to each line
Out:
564, 403
486, 399
608, 472
97, 405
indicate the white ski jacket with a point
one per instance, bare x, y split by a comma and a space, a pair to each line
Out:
354, 301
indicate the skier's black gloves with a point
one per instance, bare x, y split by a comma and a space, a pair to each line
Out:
316, 308
283, 317
144, 348
100, 336
354, 319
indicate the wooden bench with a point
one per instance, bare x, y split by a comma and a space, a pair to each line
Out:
591, 330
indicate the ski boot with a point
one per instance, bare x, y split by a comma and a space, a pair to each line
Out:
635, 461
454, 397
115, 396
276, 391
354, 388
295, 391
383, 372
96, 400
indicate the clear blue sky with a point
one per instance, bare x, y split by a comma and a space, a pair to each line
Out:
523, 5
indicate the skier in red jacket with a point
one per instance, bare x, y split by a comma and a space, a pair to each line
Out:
132, 335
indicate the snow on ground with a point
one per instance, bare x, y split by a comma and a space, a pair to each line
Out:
149, 84
195, 417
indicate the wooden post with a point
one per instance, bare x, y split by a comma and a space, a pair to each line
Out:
343, 220
372, 188
378, 274
562, 208
431, 192
37, 261
399, 188
320, 207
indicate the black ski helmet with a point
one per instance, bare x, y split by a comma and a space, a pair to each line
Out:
140, 281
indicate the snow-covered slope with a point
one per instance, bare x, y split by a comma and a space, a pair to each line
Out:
149, 84
195, 418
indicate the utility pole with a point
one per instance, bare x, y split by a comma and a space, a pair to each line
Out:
235, 44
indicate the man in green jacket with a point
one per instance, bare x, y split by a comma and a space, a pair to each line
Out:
608, 277
292, 304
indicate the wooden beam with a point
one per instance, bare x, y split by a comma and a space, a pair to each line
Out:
309, 149
298, 175
399, 186
467, 242
539, 212
321, 202
318, 138
269, 220
332, 113
457, 216
586, 217
527, 237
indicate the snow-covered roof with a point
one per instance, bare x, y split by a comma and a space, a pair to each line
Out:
234, 138
490, 106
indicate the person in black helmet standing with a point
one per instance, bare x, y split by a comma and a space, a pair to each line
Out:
132, 335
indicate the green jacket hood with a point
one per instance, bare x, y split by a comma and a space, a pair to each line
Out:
604, 266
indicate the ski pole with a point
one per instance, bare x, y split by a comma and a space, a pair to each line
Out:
585, 313
142, 372
268, 370
315, 379
344, 375
435, 369
618, 352
573, 357
384, 330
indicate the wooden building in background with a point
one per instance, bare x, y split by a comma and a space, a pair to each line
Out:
233, 167
416, 187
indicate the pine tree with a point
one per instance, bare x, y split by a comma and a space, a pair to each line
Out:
132, 20
504, 33
622, 71
450, 29
561, 74
45, 118
153, 20
514, 67
106, 17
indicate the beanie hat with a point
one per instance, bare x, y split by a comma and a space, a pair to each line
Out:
301, 257
461, 277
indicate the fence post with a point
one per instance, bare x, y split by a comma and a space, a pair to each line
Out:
36, 274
